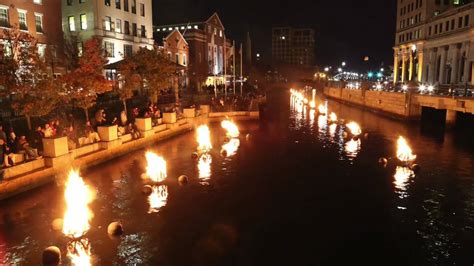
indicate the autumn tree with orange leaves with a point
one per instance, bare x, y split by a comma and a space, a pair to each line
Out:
84, 83
24, 75
129, 80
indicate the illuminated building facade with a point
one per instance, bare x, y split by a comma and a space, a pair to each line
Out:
293, 46
209, 50
40, 18
433, 42
123, 25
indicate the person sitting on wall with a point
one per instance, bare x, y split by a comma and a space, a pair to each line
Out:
3, 135
6, 156
12, 141
37, 139
91, 135
48, 131
24, 147
70, 133
133, 130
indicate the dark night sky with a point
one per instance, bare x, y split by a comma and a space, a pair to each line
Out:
346, 29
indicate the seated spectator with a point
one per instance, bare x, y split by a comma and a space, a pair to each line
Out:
12, 141
3, 135
48, 131
133, 130
6, 156
91, 135
100, 117
24, 147
37, 139
123, 118
71, 138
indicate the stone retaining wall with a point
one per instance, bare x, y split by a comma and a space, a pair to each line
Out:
27, 176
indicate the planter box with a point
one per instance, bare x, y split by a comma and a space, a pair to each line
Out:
169, 118
55, 147
189, 112
108, 133
205, 109
143, 124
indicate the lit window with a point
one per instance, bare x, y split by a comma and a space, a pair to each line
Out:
108, 23
189, 27
177, 58
37, 2
39, 22
72, 23
41, 50
184, 59
22, 19
83, 19
4, 17
109, 49
118, 4
220, 33
118, 26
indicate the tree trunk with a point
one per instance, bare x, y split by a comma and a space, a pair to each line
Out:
86, 111
125, 106
28, 121
176, 91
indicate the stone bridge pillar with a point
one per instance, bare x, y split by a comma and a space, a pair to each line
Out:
450, 118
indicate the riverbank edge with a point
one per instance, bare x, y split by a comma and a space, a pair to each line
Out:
362, 105
43, 176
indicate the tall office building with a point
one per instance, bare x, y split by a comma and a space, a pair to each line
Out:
293, 45
433, 42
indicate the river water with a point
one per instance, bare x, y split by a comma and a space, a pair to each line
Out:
297, 192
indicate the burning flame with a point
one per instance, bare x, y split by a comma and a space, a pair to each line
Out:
156, 168
354, 128
158, 198
78, 215
404, 152
231, 147
79, 252
231, 128
333, 117
204, 166
312, 104
204, 138
322, 109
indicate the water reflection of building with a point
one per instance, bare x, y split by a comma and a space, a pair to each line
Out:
433, 42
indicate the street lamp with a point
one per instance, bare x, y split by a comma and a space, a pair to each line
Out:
326, 69
339, 70
343, 64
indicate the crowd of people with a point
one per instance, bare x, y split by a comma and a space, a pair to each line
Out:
80, 132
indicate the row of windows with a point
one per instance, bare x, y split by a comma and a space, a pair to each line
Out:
108, 25
448, 25
411, 7
177, 57
22, 19
410, 21
409, 36
118, 5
